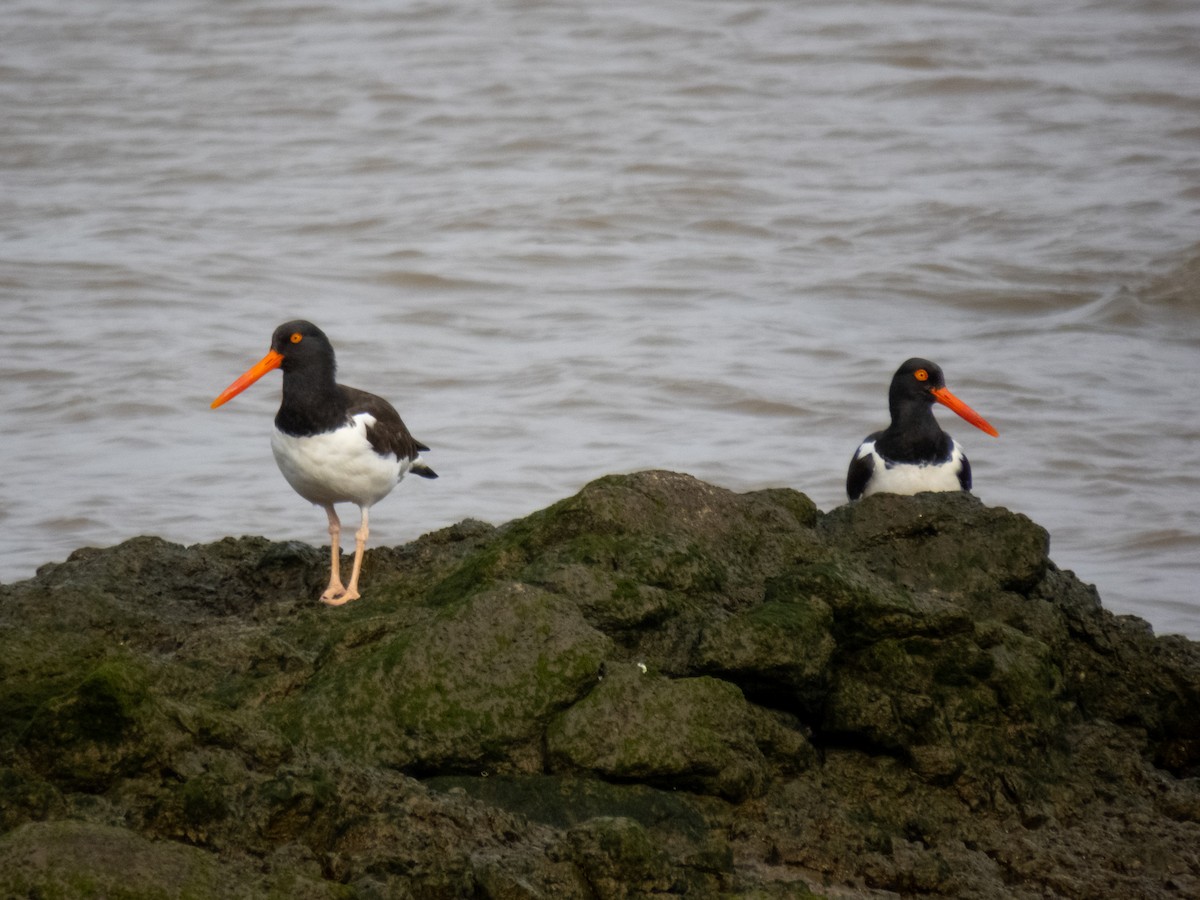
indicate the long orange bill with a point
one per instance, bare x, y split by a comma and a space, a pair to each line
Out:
251, 375
944, 397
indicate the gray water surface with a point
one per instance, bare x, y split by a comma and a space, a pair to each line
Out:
568, 240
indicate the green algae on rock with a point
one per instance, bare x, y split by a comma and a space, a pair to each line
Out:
697, 733
655, 686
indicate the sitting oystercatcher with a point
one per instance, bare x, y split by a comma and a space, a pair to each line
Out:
913, 454
333, 443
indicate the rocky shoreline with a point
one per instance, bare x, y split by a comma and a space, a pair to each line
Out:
656, 686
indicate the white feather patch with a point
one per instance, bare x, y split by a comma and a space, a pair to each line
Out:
338, 466
908, 478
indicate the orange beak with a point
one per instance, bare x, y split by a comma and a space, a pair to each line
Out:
944, 397
251, 375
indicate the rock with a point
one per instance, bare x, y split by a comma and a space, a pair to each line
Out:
74, 859
778, 651
920, 542
468, 689
617, 858
655, 686
694, 733
108, 726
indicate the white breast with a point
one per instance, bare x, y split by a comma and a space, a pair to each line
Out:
908, 478
338, 466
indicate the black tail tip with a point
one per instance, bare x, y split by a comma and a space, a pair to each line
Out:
424, 471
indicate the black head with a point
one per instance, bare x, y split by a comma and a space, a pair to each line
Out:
916, 386
303, 346
915, 381
304, 354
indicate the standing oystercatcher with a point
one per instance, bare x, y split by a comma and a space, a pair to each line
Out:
913, 454
334, 444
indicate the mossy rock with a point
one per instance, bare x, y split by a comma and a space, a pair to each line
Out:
149, 579
69, 860
968, 701
866, 607
564, 801
663, 530
778, 651
695, 733
948, 542
471, 688
24, 798
614, 603
902, 695
106, 727
40, 664
618, 859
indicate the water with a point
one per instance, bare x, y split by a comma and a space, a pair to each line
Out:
570, 240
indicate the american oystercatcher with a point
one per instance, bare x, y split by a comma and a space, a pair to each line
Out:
333, 443
913, 454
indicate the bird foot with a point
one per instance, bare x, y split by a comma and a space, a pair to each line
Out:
336, 595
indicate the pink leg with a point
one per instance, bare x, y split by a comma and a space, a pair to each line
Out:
334, 592
360, 543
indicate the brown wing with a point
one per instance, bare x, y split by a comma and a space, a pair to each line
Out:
389, 434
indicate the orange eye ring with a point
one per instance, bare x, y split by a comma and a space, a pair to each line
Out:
296, 337
920, 374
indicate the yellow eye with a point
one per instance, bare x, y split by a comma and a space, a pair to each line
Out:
297, 337
920, 374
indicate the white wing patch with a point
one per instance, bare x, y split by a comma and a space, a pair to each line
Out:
866, 448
